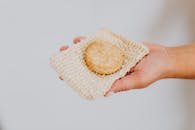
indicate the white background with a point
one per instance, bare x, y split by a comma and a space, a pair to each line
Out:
33, 98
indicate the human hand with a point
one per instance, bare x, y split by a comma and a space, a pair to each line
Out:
65, 47
151, 68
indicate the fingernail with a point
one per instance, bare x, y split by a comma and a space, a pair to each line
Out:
63, 48
110, 94
79, 40
61, 78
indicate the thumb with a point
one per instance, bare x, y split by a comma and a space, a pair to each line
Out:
128, 82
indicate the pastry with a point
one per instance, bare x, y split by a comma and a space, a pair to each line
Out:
103, 58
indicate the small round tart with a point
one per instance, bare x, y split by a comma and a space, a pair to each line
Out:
104, 58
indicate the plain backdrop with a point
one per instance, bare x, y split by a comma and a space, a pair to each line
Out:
33, 98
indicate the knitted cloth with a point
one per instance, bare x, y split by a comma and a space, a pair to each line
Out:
71, 66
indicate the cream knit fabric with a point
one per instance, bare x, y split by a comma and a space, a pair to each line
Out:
70, 64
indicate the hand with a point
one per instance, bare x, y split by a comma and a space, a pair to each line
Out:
75, 41
153, 67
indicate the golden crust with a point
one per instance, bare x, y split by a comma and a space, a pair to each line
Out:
104, 58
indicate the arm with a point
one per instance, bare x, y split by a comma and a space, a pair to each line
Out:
183, 61
162, 62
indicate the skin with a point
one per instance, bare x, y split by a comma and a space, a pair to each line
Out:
162, 62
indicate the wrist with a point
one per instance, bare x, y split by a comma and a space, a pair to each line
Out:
173, 64
169, 62
179, 62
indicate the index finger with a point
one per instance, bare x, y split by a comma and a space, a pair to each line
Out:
78, 39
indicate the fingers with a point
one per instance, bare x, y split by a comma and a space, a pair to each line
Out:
63, 48
128, 82
78, 39
61, 78
75, 41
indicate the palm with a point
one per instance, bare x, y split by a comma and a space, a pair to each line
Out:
152, 67
147, 71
